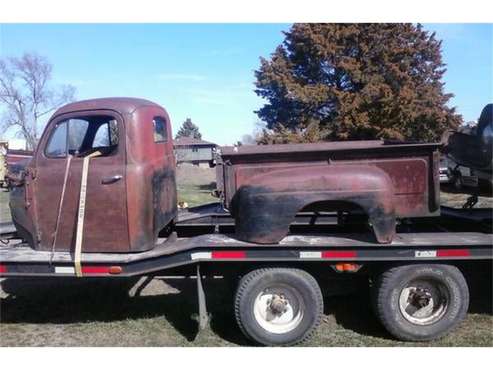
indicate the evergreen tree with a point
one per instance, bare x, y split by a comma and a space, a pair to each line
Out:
189, 129
354, 81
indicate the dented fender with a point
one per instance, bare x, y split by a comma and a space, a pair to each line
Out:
264, 209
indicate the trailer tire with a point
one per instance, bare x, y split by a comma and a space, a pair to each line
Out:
421, 302
278, 306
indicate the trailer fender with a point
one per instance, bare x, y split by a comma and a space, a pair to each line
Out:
264, 211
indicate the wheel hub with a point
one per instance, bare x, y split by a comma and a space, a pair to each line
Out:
423, 302
419, 297
278, 309
278, 304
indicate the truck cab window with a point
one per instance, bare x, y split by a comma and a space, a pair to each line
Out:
77, 131
106, 135
160, 131
81, 136
57, 146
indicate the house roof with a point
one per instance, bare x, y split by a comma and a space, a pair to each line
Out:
190, 141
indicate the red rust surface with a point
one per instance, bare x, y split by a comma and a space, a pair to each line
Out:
265, 186
14, 156
413, 168
123, 216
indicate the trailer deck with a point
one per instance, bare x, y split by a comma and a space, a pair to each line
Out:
459, 234
21, 260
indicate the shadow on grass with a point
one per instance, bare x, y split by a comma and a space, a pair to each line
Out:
53, 301
39, 301
210, 186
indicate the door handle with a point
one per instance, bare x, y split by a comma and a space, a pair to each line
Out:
111, 179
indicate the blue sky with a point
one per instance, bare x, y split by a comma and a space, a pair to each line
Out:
205, 71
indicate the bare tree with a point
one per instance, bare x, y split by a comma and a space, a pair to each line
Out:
26, 96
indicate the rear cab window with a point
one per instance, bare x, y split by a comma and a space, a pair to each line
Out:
160, 130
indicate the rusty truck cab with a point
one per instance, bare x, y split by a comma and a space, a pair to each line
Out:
131, 192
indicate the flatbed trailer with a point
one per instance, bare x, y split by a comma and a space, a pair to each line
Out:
460, 237
21, 260
103, 204
463, 235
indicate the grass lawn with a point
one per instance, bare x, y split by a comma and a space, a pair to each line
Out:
195, 185
50, 312
4, 206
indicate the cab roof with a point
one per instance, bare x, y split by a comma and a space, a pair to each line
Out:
121, 105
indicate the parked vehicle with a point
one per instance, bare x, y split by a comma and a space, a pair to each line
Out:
12, 162
3, 163
471, 154
456, 177
99, 199
445, 175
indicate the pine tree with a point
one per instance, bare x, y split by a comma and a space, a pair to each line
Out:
189, 129
355, 81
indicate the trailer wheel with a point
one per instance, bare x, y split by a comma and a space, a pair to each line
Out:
278, 306
421, 302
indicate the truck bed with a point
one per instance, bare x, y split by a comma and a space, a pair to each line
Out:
413, 167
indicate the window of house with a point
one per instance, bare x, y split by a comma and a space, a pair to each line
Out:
195, 149
160, 131
82, 136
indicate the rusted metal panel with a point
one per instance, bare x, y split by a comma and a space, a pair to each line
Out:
121, 216
105, 221
412, 170
151, 185
16, 155
264, 211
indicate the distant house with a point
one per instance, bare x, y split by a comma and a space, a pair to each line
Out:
195, 151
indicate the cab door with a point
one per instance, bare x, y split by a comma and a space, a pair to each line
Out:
71, 138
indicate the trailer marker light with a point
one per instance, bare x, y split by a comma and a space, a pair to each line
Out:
453, 253
347, 267
228, 254
115, 270
3, 269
